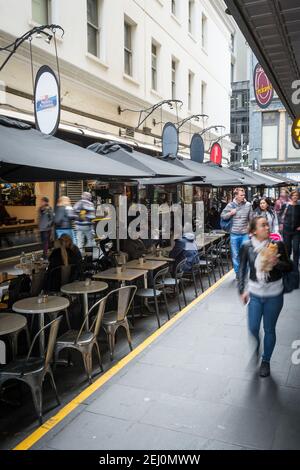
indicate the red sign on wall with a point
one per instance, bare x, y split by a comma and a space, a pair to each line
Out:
216, 154
263, 88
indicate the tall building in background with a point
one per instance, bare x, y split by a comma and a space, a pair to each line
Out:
270, 135
124, 54
240, 100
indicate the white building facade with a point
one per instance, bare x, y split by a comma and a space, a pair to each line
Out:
124, 54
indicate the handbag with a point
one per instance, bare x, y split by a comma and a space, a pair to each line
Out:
290, 281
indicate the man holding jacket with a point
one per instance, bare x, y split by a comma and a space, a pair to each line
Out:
239, 212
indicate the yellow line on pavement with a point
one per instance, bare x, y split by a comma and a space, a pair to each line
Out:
29, 441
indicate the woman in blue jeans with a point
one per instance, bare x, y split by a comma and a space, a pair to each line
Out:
265, 265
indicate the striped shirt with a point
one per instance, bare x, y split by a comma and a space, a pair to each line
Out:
240, 220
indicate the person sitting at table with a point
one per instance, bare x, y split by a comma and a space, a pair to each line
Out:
65, 253
185, 247
134, 248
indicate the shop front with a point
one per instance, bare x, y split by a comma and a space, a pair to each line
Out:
19, 216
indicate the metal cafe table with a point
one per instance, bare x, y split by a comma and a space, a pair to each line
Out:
81, 287
126, 275
11, 324
31, 306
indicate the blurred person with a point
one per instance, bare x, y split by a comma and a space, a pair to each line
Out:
64, 215
85, 213
45, 223
213, 219
279, 203
65, 253
265, 261
291, 227
239, 212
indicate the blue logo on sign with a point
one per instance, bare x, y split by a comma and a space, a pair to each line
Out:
46, 102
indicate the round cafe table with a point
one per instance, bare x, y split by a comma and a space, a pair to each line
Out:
30, 306
12, 324
80, 288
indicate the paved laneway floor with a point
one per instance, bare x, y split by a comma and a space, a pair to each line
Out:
195, 387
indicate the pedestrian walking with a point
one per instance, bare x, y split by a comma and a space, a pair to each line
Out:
279, 203
85, 213
265, 210
63, 218
45, 223
265, 261
291, 227
236, 216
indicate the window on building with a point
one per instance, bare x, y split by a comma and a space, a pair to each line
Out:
190, 90
173, 7
41, 11
232, 43
203, 97
173, 83
204, 31
191, 16
232, 72
270, 130
128, 48
154, 52
93, 27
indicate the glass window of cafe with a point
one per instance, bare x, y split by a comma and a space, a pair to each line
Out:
19, 203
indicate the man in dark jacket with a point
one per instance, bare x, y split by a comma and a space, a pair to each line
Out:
85, 213
185, 247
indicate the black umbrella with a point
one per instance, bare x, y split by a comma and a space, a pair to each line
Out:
28, 155
140, 161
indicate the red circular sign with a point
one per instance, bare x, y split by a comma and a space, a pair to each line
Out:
263, 88
216, 154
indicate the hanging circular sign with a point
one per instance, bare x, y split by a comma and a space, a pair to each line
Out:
197, 148
263, 88
216, 154
169, 140
296, 133
46, 101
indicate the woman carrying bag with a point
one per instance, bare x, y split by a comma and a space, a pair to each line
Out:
266, 263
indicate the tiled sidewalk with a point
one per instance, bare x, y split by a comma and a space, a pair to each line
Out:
195, 387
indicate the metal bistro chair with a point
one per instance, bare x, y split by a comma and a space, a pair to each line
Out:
156, 292
177, 282
33, 370
217, 256
207, 263
195, 272
112, 320
84, 341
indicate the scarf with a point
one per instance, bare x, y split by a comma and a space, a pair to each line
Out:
258, 246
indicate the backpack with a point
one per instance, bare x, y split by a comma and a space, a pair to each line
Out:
227, 224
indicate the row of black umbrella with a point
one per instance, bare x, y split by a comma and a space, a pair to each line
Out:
28, 155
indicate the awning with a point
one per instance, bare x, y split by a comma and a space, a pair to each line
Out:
28, 155
213, 175
140, 161
261, 179
271, 27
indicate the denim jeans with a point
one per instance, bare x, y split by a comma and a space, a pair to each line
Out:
68, 231
85, 237
236, 241
45, 239
268, 309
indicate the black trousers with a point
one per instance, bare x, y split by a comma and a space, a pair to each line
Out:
292, 242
